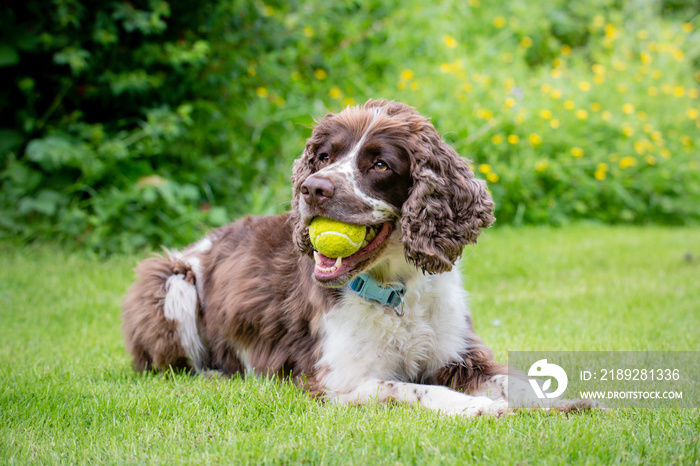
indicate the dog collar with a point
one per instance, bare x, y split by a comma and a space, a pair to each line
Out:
369, 288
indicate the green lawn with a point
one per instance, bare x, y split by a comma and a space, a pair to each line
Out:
68, 394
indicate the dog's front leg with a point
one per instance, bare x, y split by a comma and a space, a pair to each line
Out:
433, 397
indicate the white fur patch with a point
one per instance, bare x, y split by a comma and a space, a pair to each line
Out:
362, 340
181, 306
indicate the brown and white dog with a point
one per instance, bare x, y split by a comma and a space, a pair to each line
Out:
255, 297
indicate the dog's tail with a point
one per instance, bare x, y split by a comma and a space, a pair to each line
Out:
162, 318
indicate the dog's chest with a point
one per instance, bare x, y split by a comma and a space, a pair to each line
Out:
362, 340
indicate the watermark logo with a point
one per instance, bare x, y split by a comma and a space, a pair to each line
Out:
542, 368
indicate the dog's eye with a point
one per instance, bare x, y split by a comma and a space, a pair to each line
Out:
324, 157
381, 166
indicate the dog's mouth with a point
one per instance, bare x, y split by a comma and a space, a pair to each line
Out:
333, 272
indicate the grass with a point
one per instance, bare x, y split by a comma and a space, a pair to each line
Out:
68, 394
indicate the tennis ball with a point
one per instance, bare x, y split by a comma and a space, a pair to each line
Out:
336, 239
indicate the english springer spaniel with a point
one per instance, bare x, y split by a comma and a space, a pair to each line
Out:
389, 322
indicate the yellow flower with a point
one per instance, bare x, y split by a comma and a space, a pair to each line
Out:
598, 68
596, 107
261, 92
643, 34
628, 109
599, 79
484, 114
545, 114
554, 123
650, 159
610, 31
513, 139
581, 114
577, 152
601, 171
692, 113
510, 102
686, 141
693, 93
656, 136
627, 162
566, 50
401, 85
656, 74
665, 153
653, 91
678, 91
485, 168
645, 58
499, 21
320, 74
666, 88
622, 88
348, 101
557, 62
687, 28
492, 177
545, 88
607, 116
678, 54
509, 83
497, 139
449, 41
526, 42
584, 86
569, 104
555, 73
308, 32
643, 116
507, 57
468, 87
535, 139
414, 86
640, 147
445, 68
407, 75
627, 130
541, 165
556, 94
335, 93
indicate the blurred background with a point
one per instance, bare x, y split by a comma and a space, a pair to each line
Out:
129, 124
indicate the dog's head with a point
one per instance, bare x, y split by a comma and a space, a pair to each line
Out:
383, 165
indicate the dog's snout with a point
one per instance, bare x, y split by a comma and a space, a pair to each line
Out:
316, 191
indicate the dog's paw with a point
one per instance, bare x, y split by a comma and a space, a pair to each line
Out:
577, 405
479, 406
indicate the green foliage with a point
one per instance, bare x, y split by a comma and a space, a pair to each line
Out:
129, 124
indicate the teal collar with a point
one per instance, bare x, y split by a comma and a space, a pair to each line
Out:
391, 295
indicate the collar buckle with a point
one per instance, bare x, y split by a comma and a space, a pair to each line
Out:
390, 295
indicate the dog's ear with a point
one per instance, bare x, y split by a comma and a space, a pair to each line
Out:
446, 207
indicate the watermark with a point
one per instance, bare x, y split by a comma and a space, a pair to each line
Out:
618, 379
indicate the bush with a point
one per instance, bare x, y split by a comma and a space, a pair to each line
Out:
130, 124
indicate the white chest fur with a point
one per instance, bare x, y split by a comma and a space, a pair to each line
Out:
362, 340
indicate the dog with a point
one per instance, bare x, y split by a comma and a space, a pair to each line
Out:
389, 322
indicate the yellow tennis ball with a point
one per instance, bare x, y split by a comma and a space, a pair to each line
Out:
336, 239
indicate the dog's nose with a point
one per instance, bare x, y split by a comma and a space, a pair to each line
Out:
316, 191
